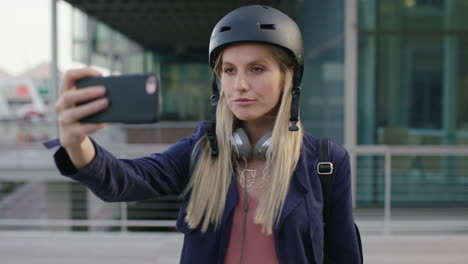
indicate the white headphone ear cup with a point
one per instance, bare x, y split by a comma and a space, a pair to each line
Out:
241, 144
263, 144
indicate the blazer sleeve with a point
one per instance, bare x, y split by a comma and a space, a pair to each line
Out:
343, 242
116, 180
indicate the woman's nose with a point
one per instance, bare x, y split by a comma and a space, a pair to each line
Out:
241, 82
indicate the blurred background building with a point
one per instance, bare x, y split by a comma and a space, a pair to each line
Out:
386, 78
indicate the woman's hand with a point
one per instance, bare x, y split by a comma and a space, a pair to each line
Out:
74, 134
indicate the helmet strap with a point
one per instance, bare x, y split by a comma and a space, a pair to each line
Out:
211, 126
296, 92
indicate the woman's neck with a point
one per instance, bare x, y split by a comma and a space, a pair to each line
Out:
257, 128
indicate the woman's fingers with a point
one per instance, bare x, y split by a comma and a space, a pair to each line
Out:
72, 76
72, 97
72, 115
69, 111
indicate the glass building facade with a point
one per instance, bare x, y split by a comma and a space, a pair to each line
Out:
413, 90
413, 72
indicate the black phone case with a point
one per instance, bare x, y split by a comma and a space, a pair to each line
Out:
129, 101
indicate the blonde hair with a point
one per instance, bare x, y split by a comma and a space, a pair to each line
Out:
209, 183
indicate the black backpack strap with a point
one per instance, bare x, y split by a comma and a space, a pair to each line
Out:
325, 172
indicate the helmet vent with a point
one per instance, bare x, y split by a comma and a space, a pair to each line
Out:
224, 29
268, 26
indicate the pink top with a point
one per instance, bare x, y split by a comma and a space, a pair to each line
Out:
258, 247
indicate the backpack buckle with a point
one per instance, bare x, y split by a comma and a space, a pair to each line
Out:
325, 168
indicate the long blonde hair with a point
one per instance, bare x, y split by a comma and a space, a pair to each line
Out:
209, 183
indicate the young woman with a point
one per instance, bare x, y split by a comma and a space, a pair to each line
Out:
248, 178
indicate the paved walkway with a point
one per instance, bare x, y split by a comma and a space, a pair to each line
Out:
66, 248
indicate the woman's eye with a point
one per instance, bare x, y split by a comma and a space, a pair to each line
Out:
228, 70
257, 69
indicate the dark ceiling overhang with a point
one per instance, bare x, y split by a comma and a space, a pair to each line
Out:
175, 26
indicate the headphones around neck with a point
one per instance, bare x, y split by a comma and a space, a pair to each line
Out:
241, 144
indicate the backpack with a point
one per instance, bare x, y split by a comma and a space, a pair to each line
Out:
325, 172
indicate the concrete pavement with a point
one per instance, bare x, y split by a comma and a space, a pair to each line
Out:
164, 248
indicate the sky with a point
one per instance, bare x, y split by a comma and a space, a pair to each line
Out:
25, 30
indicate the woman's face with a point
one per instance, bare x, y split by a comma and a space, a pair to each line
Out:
251, 80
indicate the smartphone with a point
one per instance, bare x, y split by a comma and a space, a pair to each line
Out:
133, 99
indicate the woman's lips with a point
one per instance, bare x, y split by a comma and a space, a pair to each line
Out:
244, 101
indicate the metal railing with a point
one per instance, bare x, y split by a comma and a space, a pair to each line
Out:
454, 221
33, 196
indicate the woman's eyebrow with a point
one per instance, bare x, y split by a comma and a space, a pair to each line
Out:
227, 63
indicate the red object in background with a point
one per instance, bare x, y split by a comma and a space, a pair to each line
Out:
22, 90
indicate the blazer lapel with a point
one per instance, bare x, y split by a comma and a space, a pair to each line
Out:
297, 189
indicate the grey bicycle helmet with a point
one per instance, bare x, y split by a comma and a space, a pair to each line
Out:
260, 24
257, 23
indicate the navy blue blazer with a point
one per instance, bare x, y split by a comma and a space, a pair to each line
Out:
299, 233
